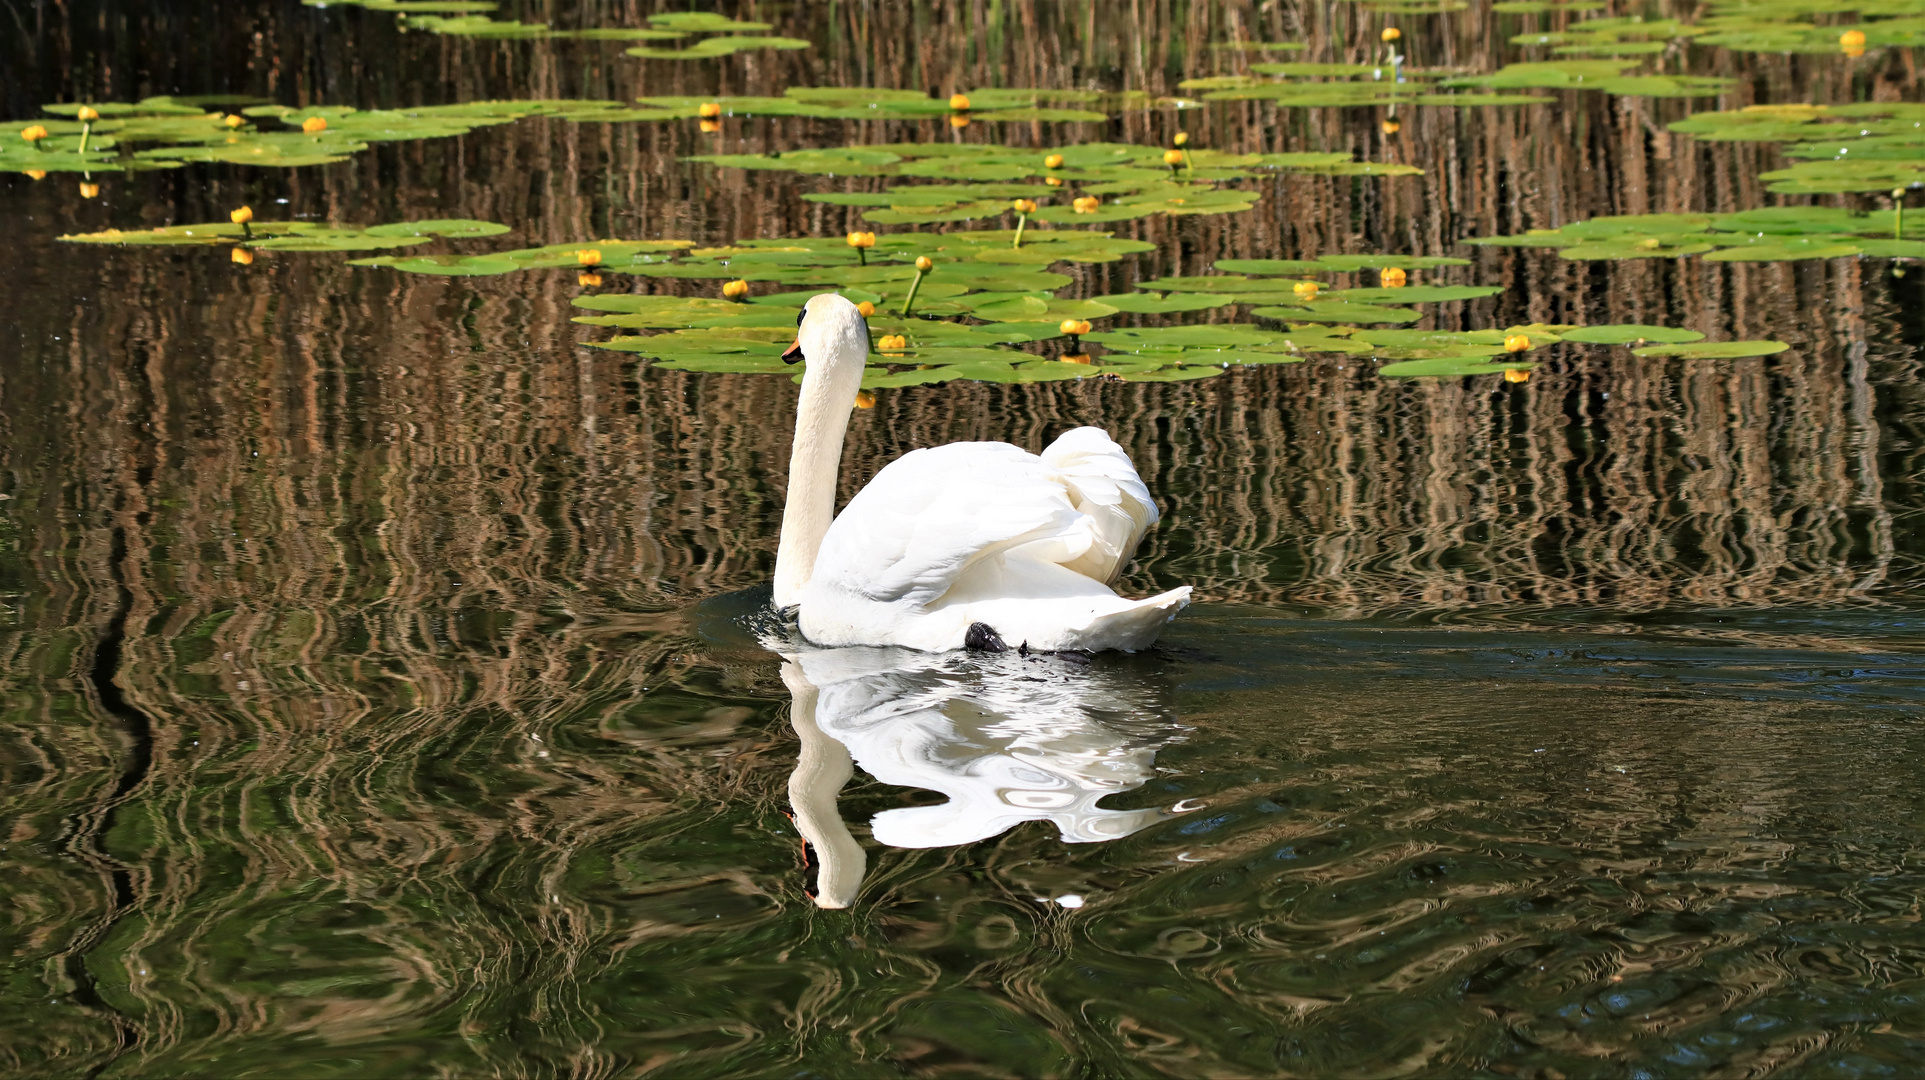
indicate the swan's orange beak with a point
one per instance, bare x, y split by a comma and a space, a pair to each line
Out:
794, 352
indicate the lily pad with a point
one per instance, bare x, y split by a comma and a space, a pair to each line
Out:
1631, 334
1158, 304
1715, 350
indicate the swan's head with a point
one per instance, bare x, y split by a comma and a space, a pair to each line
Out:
830, 333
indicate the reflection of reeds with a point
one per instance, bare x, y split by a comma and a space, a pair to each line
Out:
389, 540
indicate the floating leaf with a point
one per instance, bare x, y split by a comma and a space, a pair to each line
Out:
1715, 350
1631, 334
1338, 311
294, 235
1604, 75
1156, 304
1451, 368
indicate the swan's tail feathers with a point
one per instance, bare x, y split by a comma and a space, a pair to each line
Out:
1136, 626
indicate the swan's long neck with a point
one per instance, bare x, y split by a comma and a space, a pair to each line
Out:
835, 357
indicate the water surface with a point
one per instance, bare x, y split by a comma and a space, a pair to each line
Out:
384, 697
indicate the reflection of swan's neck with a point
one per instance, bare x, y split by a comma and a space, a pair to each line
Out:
821, 769
835, 346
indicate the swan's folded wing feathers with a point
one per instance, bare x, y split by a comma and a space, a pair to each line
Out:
1104, 485
929, 514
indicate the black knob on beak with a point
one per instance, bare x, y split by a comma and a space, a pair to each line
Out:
794, 353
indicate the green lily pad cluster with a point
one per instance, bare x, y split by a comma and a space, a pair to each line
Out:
1771, 26
1546, 7
1325, 85
175, 131
1870, 146
1607, 76
187, 130
984, 296
461, 18
1771, 234
1342, 85
1117, 182
971, 323
295, 235
1011, 104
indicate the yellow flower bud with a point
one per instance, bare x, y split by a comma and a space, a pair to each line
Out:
1023, 206
37, 174
88, 114
234, 120
241, 257
588, 257
1306, 289
1390, 277
1172, 157
33, 133
314, 125
709, 110
242, 216
1074, 326
1852, 39
735, 290
1516, 343
924, 263
891, 342
865, 399
1086, 204
1182, 138
1391, 34
709, 127
1053, 161
862, 239
89, 191
865, 309
590, 280
1517, 374
1053, 181
959, 102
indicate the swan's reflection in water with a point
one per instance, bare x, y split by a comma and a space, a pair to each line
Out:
1007, 738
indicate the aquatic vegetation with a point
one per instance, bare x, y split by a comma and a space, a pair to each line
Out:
1608, 76
1745, 26
461, 18
1771, 234
961, 303
869, 103
1310, 85
1868, 146
1139, 180
242, 229
267, 135
1342, 85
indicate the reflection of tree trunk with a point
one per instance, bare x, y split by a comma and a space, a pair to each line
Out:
821, 768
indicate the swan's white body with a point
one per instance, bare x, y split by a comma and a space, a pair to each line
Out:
952, 537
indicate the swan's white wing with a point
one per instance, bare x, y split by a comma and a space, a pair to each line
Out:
931, 513
1104, 485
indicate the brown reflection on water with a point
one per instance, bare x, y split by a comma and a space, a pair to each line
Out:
336, 590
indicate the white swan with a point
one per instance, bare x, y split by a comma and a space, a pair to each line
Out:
977, 545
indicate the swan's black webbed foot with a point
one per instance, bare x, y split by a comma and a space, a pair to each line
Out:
983, 638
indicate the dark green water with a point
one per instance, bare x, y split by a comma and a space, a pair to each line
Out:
385, 692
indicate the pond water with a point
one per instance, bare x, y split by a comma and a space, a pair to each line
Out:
390, 686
